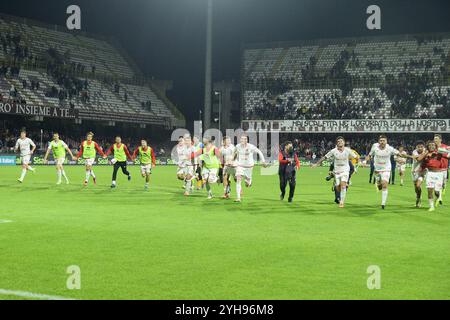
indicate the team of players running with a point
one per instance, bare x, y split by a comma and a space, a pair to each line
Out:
201, 162
430, 164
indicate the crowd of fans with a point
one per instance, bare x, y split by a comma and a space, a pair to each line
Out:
405, 90
12, 46
66, 75
403, 94
70, 76
326, 106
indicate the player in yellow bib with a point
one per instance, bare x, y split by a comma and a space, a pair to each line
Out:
58, 148
88, 152
121, 154
146, 157
209, 157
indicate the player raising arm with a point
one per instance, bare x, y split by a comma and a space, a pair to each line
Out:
88, 151
121, 154
147, 159
26, 148
58, 148
341, 169
381, 154
243, 156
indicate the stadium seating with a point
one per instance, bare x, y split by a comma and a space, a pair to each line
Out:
99, 59
350, 77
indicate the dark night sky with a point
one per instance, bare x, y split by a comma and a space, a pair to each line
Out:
167, 37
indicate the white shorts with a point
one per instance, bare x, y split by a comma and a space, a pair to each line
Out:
146, 169
230, 171
402, 168
417, 175
185, 170
60, 161
210, 175
89, 161
435, 180
383, 175
445, 175
245, 172
26, 159
341, 177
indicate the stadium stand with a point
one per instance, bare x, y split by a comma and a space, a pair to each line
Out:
43, 66
357, 78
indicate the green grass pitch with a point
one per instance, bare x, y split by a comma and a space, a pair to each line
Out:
132, 244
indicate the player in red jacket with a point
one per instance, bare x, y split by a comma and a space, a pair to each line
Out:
289, 164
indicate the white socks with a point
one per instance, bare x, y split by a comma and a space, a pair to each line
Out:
64, 175
384, 195
88, 175
22, 176
92, 173
238, 190
59, 174
431, 202
187, 185
343, 194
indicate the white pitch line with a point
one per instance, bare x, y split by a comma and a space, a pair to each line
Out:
31, 295
5, 221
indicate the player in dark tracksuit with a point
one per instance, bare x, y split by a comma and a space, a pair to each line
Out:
289, 164
393, 167
372, 171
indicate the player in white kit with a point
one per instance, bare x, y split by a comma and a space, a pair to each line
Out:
185, 155
417, 172
381, 153
243, 156
26, 148
229, 169
340, 156
401, 163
